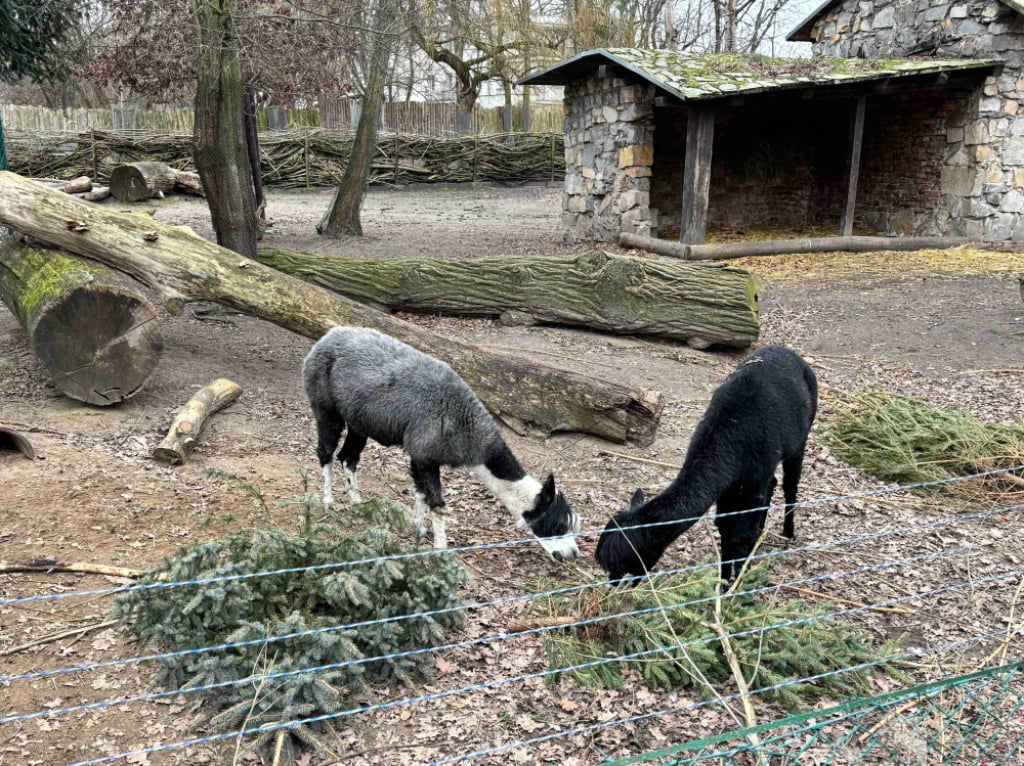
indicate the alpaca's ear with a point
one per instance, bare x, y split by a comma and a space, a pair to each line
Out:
547, 492
637, 500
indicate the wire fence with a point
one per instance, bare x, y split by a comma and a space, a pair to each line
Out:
961, 718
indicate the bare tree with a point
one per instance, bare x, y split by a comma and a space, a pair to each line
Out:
343, 215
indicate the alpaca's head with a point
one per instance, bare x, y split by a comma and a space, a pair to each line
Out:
553, 522
622, 552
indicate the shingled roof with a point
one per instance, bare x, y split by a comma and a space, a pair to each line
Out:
692, 78
802, 32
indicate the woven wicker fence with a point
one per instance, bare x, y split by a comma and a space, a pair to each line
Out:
303, 159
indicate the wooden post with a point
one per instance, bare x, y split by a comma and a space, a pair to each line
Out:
305, 153
552, 158
856, 140
700, 135
95, 169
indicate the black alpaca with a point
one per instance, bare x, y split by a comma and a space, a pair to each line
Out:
759, 417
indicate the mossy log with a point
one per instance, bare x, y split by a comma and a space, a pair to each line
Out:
138, 181
94, 332
704, 304
187, 425
183, 267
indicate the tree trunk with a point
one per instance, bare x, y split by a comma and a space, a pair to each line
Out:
465, 101
221, 152
187, 268
727, 250
138, 181
187, 425
96, 335
252, 147
343, 216
705, 304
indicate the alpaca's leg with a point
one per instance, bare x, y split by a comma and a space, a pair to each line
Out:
329, 426
726, 526
791, 470
349, 458
429, 495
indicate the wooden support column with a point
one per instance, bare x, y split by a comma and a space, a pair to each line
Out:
856, 140
700, 135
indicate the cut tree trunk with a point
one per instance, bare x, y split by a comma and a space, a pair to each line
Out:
727, 250
701, 303
77, 185
96, 335
138, 181
186, 427
187, 182
183, 267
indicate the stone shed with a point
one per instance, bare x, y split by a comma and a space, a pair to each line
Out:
665, 144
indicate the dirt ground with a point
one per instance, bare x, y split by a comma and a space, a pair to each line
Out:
94, 494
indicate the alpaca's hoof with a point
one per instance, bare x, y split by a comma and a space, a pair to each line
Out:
355, 496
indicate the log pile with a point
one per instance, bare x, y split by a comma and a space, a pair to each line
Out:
525, 394
305, 158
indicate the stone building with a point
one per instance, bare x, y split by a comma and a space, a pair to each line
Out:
904, 122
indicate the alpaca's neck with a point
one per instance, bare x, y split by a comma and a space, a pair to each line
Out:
508, 482
697, 486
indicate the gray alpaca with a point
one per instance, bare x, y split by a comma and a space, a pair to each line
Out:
382, 389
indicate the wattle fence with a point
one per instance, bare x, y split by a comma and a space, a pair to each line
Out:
420, 118
303, 159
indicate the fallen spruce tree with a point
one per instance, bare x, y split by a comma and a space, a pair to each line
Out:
702, 304
184, 267
95, 333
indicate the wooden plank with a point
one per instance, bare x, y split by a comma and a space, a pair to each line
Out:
700, 136
856, 140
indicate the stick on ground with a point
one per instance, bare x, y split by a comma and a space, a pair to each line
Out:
184, 431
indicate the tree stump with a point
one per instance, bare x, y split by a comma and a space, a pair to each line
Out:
96, 335
184, 431
138, 181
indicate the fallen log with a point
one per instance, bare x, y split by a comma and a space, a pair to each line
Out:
726, 250
138, 181
183, 267
77, 185
703, 304
187, 182
187, 425
98, 194
97, 336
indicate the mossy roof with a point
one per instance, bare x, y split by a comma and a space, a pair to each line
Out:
696, 77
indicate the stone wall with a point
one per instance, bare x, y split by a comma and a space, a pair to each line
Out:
982, 176
609, 135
